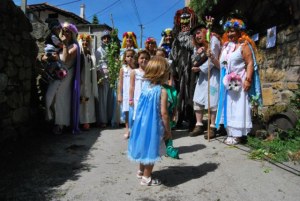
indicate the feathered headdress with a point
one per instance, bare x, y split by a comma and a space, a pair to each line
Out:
132, 36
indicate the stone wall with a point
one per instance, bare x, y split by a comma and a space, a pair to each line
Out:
280, 69
18, 52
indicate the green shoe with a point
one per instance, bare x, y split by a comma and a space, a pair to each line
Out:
171, 151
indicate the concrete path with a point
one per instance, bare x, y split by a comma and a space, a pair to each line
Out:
93, 166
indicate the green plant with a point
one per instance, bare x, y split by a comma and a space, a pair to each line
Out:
201, 6
280, 148
113, 52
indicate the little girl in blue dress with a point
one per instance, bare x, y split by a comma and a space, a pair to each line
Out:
151, 124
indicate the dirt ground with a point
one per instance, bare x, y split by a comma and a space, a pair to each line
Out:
94, 166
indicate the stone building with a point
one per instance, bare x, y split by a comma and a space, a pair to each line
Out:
18, 51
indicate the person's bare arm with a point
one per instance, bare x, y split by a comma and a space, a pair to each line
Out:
164, 114
131, 87
69, 53
247, 55
120, 86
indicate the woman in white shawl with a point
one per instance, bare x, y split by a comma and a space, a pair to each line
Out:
88, 82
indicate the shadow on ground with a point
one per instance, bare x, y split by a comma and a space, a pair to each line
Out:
176, 175
32, 168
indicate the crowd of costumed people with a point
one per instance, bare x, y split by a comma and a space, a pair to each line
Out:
167, 85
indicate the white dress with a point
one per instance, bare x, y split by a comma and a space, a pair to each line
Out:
59, 95
87, 91
238, 106
201, 94
125, 90
138, 84
105, 105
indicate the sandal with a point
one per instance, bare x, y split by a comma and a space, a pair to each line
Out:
232, 140
150, 182
139, 174
126, 135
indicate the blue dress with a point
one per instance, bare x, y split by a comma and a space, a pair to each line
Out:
147, 131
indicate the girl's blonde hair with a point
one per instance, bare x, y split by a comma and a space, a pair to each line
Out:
157, 70
124, 56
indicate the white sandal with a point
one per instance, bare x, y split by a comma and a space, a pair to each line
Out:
232, 140
139, 174
150, 182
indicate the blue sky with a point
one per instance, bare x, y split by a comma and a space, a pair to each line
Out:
154, 15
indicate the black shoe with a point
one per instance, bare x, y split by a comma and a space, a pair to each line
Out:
198, 130
221, 131
212, 134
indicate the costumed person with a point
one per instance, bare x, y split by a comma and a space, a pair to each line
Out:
123, 86
172, 103
106, 99
240, 84
151, 124
88, 81
151, 46
128, 42
64, 95
201, 65
166, 40
184, 78
53, 37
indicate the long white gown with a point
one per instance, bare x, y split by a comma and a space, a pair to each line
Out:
58, 96
238, 106
88, 90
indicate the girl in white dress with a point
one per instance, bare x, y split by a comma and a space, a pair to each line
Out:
137, 80
123, 86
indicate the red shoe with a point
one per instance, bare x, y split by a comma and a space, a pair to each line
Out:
86, 126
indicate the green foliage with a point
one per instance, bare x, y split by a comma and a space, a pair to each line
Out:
295, 102
280, 148
114, 63
95, 20
202, 6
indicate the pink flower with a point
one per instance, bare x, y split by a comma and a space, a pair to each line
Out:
232, 81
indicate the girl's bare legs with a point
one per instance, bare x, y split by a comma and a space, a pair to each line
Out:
140, 172
148, 170
126, 135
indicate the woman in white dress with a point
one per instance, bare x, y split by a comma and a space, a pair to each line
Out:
88, 82
62, 97
237, 68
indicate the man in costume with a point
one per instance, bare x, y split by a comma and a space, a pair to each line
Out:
182, 50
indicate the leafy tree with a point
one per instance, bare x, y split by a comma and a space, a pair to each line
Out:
114, 63
95, 20
202, 6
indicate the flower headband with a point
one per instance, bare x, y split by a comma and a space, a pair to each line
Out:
234, 23
85, 37
150, 39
